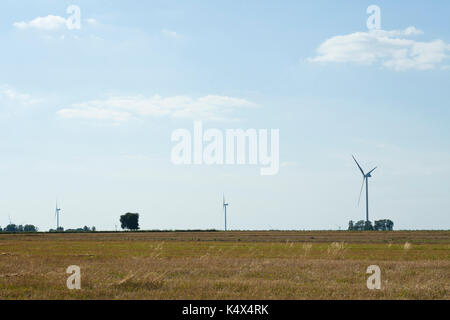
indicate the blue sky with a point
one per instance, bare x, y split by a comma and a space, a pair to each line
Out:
86, 115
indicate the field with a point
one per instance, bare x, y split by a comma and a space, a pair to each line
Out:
226, 265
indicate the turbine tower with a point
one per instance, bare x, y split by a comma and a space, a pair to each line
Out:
366, 177
57, 210
225, 211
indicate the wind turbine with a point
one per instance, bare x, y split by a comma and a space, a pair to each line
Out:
225, 205
366, 177
57, 210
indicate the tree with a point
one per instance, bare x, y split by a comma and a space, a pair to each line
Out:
30, 228
379, 225
351, 226
368, 226
384, 225
11, 228
389, 225
359, 226
130, 221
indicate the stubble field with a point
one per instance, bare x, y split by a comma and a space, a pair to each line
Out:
226, 265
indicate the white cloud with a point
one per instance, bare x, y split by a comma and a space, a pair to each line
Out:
121, 109
47, 23
410, 31
92, 21
171, 34
393, 49
95, 113
10, 96
14, 103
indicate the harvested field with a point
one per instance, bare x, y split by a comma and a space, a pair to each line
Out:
226, 265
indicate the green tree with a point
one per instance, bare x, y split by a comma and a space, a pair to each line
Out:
368, 226
30, 228
379, 225
359, 226
351, 226
11, 228
130, 221
384, 225
389, 225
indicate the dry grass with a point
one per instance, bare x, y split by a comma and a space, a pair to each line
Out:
148, 281
137, 266
395, 237
337, 249
307, 248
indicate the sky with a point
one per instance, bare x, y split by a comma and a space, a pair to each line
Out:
89, 100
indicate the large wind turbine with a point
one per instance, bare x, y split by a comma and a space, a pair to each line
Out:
366, 177
57, 210
225, 205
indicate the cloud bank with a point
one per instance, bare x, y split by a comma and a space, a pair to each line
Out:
392, 49
10, 96
47, 23
121, 109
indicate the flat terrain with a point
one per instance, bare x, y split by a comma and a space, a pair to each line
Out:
226, 265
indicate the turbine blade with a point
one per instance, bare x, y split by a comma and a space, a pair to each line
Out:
360, 192
362, 171
372, 170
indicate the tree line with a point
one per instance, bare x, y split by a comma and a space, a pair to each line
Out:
19, 228
84, 229
379, 225
130, 221
31, 228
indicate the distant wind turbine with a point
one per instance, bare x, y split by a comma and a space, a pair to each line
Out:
57, 210
366, 177
225, 205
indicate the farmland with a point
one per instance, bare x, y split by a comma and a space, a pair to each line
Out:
226, 265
